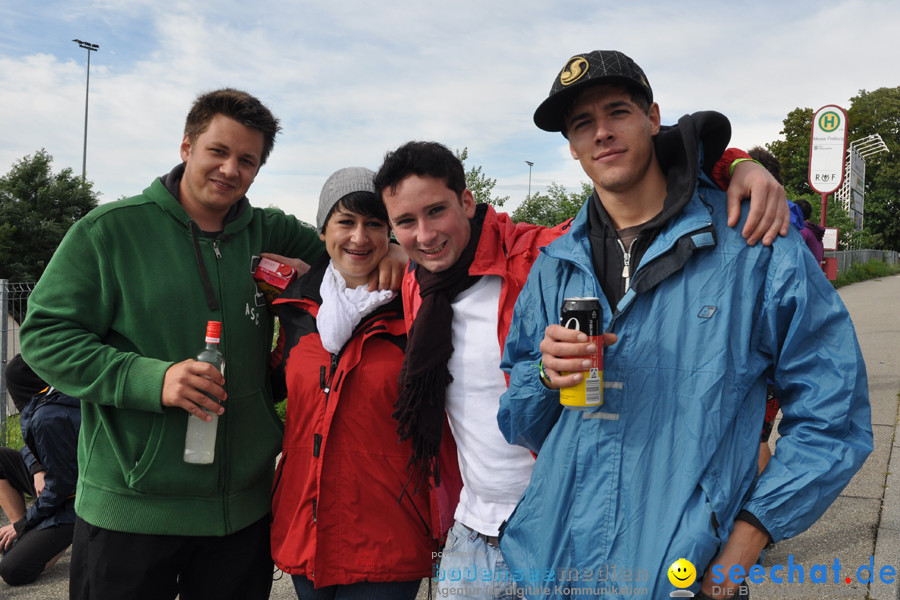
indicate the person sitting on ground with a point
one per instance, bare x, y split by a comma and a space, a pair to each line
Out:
46, 470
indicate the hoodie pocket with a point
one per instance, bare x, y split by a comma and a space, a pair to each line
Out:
253, 432
160, 468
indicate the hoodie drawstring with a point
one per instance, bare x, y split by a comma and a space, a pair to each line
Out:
211, 300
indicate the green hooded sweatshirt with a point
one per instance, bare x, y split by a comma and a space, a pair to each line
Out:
127, 294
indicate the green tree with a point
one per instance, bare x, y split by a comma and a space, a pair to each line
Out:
870, 113
480, 184
882, 219
793, 152
37, 207
554, 207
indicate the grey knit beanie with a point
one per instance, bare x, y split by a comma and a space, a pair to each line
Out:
341, 183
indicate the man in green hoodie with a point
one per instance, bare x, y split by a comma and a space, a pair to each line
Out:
116, 319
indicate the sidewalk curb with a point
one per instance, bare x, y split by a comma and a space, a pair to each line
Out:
887, 540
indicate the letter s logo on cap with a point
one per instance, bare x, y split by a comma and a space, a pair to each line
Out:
573, 71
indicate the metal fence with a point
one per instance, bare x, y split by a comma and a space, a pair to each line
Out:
13, 305
845, 258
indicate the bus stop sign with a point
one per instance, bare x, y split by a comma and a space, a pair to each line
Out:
827, 147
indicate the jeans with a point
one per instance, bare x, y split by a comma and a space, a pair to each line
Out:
472, 569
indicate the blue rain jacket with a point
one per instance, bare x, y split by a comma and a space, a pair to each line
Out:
661, 470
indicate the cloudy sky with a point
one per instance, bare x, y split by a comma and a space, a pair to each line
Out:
351, 79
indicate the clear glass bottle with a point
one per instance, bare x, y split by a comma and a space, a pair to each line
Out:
200, 441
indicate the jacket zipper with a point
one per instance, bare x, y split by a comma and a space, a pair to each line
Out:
327, 383
328, 387
626, 256
317, 437
226, 472
330, 384
617, 313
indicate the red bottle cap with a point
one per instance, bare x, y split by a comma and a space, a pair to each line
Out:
213, 332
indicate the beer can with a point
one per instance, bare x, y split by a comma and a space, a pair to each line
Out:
585, 315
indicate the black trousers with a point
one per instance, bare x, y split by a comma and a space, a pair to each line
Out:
13, 469
132, 566
30, 553
25, 561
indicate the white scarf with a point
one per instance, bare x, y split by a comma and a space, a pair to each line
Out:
342, 308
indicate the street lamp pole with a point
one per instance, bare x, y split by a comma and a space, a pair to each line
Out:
530, 164
90, 48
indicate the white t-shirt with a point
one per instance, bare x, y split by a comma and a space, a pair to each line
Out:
494, 473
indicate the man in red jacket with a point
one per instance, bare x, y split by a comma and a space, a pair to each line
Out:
469, 263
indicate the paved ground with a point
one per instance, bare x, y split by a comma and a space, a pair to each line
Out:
862, 526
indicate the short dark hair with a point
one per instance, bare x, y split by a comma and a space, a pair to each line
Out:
805, 208
424, 159
768, 160
234, 104
362, 203
638, 96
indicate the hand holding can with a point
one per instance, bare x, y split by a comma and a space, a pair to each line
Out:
584, 314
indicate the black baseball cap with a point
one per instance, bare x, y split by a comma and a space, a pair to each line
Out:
582, 71
22, 382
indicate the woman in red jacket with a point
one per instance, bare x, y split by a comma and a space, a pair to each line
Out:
345, 524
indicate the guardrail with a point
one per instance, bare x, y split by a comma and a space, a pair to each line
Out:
845, 258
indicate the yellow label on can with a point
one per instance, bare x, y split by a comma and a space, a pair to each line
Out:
588, 393
584, 315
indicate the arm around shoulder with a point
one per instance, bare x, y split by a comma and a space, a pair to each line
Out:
289, 236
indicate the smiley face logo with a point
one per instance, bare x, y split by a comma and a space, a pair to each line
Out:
682, 573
